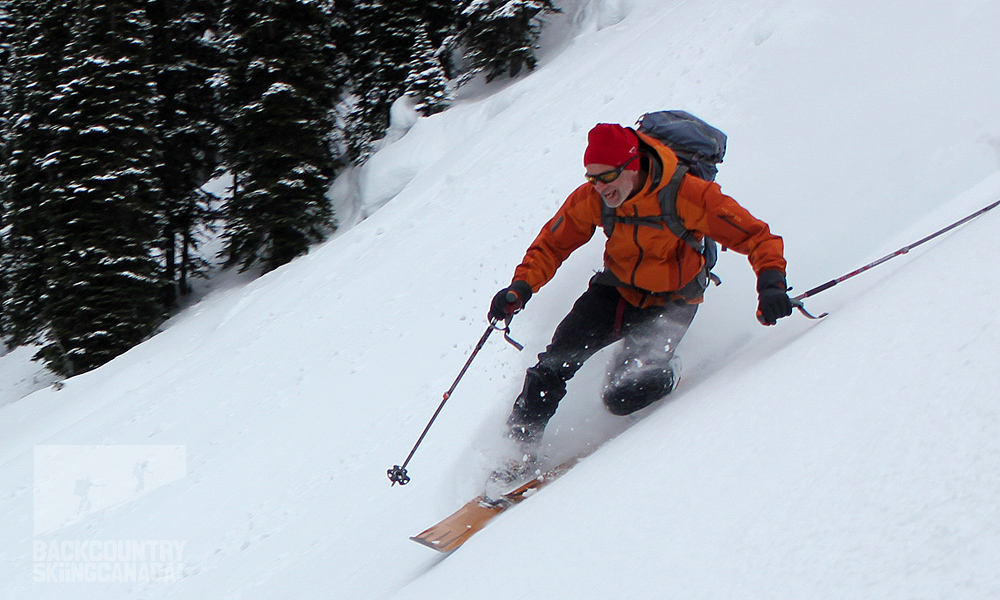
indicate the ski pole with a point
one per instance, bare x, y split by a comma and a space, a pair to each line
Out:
397, 474
797, 301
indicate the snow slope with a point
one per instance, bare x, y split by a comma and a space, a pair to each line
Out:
857, 457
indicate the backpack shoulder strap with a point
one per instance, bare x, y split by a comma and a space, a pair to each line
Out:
668, 210
668, 216
705, 246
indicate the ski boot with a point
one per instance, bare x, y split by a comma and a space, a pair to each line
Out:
519, 462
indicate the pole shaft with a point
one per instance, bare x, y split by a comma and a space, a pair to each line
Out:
479, 346
903, 250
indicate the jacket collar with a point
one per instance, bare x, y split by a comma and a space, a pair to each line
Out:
660, 158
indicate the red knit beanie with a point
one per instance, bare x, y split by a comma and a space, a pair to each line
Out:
610, 144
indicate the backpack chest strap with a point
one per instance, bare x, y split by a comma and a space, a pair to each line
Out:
667, 218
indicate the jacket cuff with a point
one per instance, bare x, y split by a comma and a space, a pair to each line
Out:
522, 289
771, 280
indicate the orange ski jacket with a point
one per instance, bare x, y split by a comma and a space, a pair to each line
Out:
651, 262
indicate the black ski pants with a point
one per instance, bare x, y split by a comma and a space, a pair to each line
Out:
639, 374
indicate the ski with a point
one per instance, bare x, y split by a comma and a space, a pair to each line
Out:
461, 525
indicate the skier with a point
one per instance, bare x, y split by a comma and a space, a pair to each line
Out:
644, 295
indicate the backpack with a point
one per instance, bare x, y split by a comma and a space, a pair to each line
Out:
699, 147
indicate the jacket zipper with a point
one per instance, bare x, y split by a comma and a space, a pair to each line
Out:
727, 219
680, 265
635, 239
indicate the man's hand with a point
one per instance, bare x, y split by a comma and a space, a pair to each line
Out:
509, 300
772, 296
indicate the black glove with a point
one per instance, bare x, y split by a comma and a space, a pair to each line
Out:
509, 300
773, 301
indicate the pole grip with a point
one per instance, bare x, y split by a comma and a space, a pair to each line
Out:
818, 289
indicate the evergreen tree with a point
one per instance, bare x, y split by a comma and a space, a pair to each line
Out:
426, 82
407, 46
39, 34
500, 36
284, 74
187, 131
441, 20
400, 47
383, 48
109, 131
83, 196
7, 31
103, 291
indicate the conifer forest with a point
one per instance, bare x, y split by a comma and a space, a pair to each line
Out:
116, 113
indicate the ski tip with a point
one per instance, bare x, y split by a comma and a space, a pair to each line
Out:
432, 544
444, 545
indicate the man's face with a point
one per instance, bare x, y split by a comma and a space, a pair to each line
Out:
617, 191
